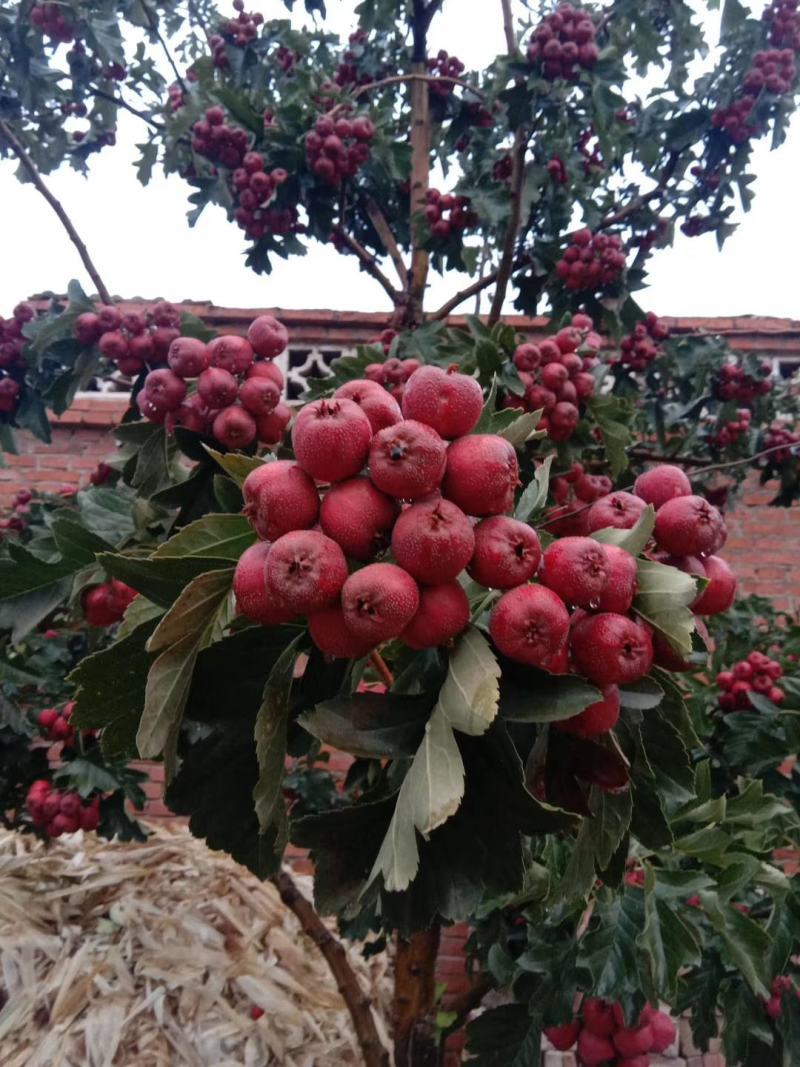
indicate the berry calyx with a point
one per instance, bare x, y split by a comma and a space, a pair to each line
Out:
433, 541
379, 601
331, 439
306, 570
507, 553
407, 460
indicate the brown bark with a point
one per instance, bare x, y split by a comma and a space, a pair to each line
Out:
420, 182
17, 147
415, 1039
358, 1003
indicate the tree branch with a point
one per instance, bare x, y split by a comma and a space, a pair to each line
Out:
128, 107
517, 179
415, 76
378, 220
368, 261
645, 198
358, 1003
420, 183
691, 461
7, 134
464, 294
153, 24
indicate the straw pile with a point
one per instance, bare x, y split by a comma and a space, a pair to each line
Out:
154, 954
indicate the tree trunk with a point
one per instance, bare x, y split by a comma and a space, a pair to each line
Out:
415, 1038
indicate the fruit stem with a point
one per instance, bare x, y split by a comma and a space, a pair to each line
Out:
7, 134
358, 1003
379, 663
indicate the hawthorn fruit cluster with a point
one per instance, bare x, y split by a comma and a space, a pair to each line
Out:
783, 19
444, 65
393, 373
735, 383
57, 811
777, 987
213, 138
729, 432
640, 347
557, 375
591, 260
777, 435
106, 603
254, 189
448, 213
336, 148
52, 20
604, 1039
756, 674
135, 340
237, 388
54, 723
564, 43
17, 521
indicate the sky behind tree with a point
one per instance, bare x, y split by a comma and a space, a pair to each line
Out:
143, 246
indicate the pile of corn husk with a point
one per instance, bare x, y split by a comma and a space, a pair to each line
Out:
155, 954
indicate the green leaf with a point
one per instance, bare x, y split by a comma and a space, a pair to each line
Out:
633, 540
87, 777
484, 423
434, 785
24, 573
108, 513
606, 411
371, 725
75, 542
506, 1036
236, 465
518, 431
178, 636
534, 496
160, 580
746, 945
667, 944
22, 613
663, 598
528, 695
194, 610
110, 690
610, 819
642, 695
218, 536
270, 738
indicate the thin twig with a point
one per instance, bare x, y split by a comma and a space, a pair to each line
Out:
128, 107
378, 220
153, 23
358, 1003
418, 76
747, 459
645, 198
379, 663
517, 179
368, 261
33, 173
464, 294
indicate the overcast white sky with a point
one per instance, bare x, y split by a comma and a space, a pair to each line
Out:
142, 245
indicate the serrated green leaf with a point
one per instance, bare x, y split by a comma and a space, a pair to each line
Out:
520, 430
371, 725
219, 536
534, 496
193, 611
236, 465
634, 540
663, 598
270, 739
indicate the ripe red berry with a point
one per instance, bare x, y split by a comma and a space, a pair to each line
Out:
598, 1017
634, 1041
271, 428
259, 396
379, 601
330, 633
563, 1037
306, 570
689, 526
280, 497
217, 388
358, 517
449, 402
231, 353
266, 369
331, 439
720, 592
442, 614
507, 553
482, 474
267, 336
250, 588
530, 624
620, 589
595, 719
433, 541
187, 357
611, 649
661, 484
165, 390
663, 1028
594, 1051
234, 427
407, 460
576, 568
619, 510
380, 407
